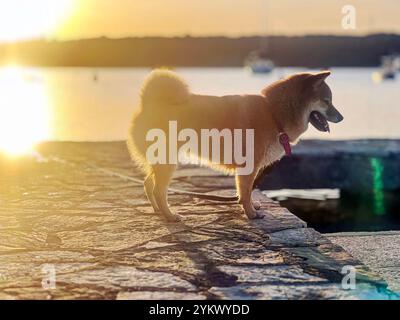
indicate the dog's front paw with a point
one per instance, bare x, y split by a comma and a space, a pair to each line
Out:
257, 205
172, 217
255, 214
260, 215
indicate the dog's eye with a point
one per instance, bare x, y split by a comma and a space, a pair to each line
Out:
328, 102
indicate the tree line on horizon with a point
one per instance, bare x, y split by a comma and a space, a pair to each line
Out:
306, 51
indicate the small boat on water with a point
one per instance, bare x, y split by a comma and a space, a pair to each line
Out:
396, 62
390, 65
388, 74
259, 63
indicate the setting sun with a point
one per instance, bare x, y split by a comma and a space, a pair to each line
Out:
24, 119
23, 19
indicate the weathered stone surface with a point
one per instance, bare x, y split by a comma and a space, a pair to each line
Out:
270, 274
159, 295
125, 277
105, 242
301, 237
301, 292
280, 292
378, 250
391, 276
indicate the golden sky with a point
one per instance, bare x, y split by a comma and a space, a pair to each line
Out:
66, 19
117, 18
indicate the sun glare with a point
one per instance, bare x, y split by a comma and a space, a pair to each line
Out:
23, 19
24, 110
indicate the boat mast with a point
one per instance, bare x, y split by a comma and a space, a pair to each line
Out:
264, 41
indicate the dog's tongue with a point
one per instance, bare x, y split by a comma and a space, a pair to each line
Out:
318, 120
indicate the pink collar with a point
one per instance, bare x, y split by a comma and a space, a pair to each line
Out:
284, 139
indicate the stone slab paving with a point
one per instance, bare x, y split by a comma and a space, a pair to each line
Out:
378, 250
100, 236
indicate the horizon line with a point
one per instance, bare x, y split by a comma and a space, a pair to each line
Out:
338, 35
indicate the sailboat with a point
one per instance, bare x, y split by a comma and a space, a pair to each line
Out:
390, 65
396, 62
257, 61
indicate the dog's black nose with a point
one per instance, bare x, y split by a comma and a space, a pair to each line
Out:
333, 115
340, 118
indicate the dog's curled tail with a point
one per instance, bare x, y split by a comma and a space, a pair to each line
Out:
163, 87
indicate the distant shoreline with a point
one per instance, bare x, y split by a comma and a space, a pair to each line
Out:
316, 51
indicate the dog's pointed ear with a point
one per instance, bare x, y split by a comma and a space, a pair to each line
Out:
319, 78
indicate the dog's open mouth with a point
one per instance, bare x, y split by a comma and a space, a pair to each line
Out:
318, 120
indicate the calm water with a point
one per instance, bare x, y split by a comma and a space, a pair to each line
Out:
96, 104
351, 212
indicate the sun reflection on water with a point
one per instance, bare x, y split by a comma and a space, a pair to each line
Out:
24, 110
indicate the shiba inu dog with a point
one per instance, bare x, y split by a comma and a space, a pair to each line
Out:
278, 116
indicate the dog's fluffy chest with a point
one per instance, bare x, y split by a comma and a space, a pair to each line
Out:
273, 152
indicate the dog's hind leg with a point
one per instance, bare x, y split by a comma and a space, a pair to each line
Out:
162, 178
149, 190
244, 186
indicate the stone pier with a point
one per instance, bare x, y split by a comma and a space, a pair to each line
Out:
71, 231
